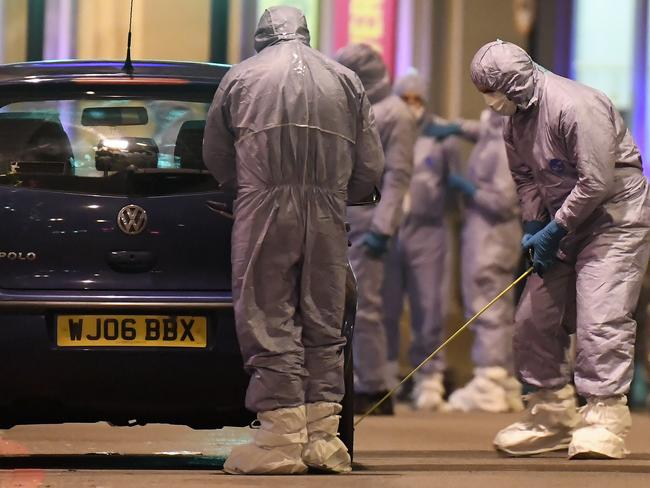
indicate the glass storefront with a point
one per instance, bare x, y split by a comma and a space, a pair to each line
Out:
611, 53
604, 48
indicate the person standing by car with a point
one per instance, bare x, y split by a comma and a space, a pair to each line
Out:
294, 133
372, 228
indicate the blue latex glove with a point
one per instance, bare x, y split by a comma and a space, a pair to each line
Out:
376, 244
545, 244
461, 184
441, 131
531, 228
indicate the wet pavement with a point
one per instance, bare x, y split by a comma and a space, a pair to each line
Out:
409, 450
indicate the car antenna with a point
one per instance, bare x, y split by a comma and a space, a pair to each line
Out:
128, 65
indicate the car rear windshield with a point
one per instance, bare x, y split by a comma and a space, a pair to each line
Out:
117, 145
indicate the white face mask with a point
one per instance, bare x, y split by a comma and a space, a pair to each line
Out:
499, 103
417, 111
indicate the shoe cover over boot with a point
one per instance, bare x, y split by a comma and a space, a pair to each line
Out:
277, 445
486, 392
428, 392
324, 450
605, 423
548, 423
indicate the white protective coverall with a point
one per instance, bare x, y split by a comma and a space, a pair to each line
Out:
416, 262
397, 130
292, 131
573, 160
490, 254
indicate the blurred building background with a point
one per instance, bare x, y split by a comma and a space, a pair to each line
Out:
600, 42
603, 43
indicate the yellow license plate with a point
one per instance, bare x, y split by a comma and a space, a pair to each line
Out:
131, 331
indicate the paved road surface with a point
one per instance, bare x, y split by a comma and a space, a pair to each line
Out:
409, 450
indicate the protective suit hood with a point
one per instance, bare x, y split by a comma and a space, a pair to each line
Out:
369, 67
507, 68
279, 24
413, 83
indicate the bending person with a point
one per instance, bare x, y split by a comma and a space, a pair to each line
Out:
586, 210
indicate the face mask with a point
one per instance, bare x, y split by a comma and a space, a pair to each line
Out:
499, 103
417, 111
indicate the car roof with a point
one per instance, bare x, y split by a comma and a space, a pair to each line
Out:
74, 70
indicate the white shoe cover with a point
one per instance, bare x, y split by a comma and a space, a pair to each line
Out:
277, 445
547, 426
428, 392
324, 450
606, 422
486, 392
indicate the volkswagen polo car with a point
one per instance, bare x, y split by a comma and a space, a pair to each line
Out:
115, 278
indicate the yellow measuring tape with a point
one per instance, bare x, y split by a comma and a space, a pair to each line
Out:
444, 344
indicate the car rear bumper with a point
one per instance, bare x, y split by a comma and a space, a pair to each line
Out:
41, 382
202, 388
43, 301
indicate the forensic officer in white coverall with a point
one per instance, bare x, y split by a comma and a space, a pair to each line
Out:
372, 228
415, 265
292, 131
586, 211
489, 258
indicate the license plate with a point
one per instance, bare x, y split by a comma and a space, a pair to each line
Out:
131, 331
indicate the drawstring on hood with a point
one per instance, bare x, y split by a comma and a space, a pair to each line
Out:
505, 67
279, 24
369, 67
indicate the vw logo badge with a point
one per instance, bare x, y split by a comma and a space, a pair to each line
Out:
132, 219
